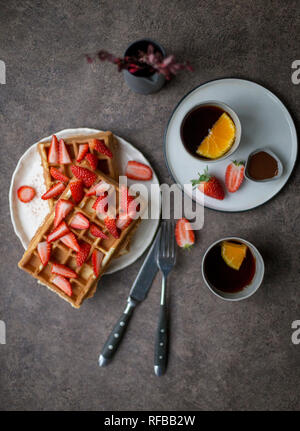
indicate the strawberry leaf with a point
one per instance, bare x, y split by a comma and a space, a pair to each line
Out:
205, 177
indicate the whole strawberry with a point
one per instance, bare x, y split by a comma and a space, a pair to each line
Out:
209, 185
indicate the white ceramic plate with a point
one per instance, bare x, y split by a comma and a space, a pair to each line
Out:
265, 123
26, 218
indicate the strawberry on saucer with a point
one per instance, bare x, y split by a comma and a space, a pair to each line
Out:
209, 185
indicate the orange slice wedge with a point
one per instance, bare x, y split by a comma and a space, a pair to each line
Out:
233, 254
219, 139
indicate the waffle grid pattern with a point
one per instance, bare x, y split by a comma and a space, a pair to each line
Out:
105, 164
85, 284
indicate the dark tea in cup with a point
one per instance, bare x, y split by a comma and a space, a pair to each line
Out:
210, 131
224, 277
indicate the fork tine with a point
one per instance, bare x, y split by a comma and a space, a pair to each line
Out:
159, 254
167, 247
173, 240
168, 239
163, 240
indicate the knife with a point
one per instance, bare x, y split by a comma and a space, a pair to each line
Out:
137, 294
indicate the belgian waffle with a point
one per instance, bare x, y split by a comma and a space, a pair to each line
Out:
105, 164
85, 284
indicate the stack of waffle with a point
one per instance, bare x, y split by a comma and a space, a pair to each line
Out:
106, 165
82, 280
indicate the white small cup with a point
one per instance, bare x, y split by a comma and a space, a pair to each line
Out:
256, 281
235, 119
270, 152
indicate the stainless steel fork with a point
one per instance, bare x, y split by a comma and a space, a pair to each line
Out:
166, 259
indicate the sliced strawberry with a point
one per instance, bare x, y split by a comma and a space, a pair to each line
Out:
84, 174
63, 283
97, 232
128, 208
209, 185
62, 209
53, 154
234, 176
26, 193
70, 241
133, 208
58, 268
54, 191
83, 253
97, 257
77, 191
138, 171
98, 189
125, 198
92, 190
101, 205
128, 205
111, 226
58, 232
57, 175
79, 221
93, 160
64, 156
99, 198
44, 251
100, 146
184, 234
123, 221
83, 150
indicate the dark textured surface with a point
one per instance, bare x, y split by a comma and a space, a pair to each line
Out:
223, 355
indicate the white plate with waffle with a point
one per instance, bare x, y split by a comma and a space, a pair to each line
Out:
26, 218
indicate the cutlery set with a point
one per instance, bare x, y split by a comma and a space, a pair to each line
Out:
162, 256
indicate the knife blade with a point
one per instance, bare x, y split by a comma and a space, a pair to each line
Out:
146, 274
137, 294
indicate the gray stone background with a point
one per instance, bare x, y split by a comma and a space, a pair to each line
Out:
223, 355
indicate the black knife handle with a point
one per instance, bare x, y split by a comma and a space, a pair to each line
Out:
115, 338
161, 342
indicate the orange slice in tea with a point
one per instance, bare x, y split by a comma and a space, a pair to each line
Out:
219, 139
233, 254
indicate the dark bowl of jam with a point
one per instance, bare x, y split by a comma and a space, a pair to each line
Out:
228, 283
197, 123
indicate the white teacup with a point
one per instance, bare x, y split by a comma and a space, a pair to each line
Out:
247, 291
238, 129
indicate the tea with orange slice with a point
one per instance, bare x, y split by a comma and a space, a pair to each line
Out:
230, 266
208, 132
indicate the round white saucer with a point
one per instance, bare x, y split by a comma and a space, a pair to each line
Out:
26, 218
266, 123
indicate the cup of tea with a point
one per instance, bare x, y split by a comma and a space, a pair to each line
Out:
211, 131
232, 268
